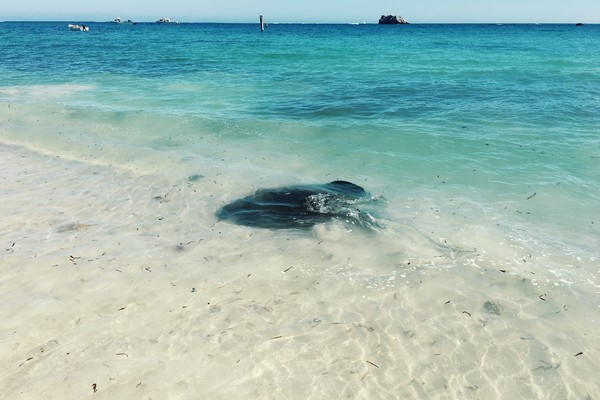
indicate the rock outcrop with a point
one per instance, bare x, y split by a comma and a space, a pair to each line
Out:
392, 20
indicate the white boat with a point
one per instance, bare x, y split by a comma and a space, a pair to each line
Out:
165, 21
81, 28
118, 20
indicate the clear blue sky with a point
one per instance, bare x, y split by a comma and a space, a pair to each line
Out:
416, 11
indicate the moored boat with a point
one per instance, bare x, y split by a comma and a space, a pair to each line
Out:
165, 21
81, 27
118, 20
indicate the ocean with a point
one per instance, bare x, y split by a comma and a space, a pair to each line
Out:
477, 276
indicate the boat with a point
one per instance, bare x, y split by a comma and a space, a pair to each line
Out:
118, 20
81, 27
165, 21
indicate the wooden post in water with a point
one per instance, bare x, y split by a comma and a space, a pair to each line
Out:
262, 25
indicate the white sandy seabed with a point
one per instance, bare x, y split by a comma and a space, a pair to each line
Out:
116, 284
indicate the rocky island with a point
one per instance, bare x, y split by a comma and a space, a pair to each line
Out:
392, 20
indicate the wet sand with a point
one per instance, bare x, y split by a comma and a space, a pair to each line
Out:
116, 284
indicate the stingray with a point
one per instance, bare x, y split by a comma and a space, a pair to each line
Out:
299, 207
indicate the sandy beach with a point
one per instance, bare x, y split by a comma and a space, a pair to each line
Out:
123, 285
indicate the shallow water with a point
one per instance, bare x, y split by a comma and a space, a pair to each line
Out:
478, 144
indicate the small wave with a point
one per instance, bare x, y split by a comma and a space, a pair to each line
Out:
46, 91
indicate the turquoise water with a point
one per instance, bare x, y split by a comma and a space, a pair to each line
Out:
497, 113
479, 146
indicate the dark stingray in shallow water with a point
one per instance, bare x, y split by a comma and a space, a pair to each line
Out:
300, 206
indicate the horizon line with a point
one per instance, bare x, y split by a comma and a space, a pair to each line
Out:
314, 22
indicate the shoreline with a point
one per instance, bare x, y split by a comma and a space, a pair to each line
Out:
111, 301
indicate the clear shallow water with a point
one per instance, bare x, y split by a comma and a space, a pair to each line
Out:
478, 143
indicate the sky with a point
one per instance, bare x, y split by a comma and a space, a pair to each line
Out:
319, 11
